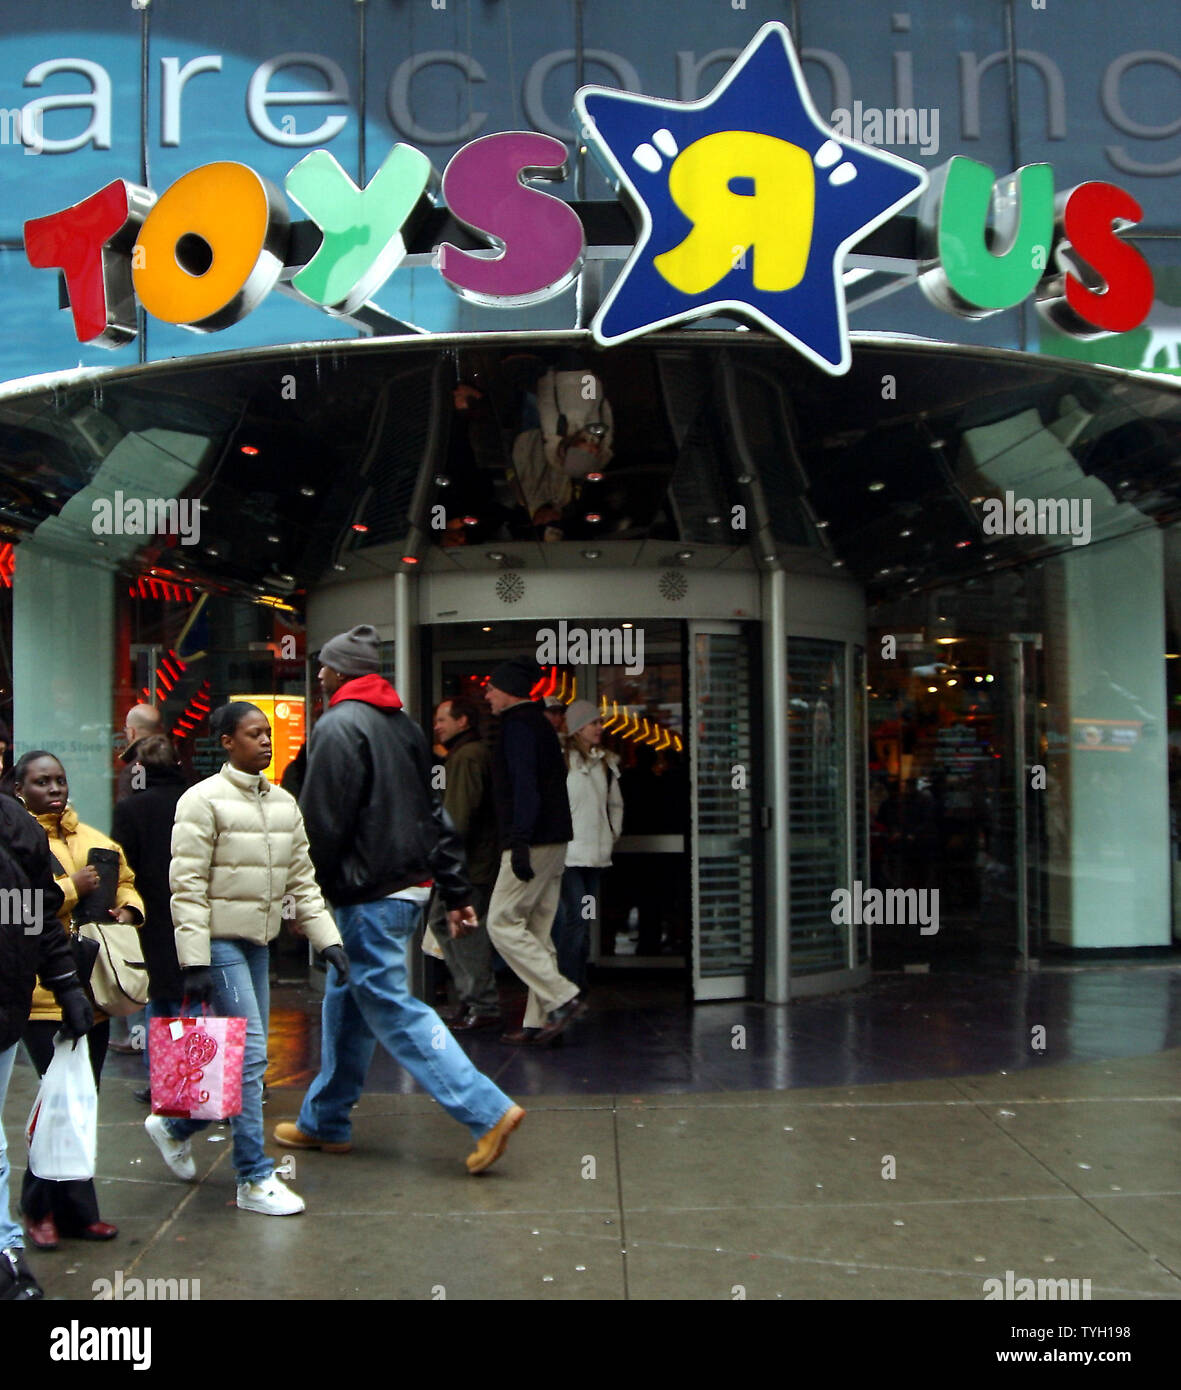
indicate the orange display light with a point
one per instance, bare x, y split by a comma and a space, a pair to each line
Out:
285, 714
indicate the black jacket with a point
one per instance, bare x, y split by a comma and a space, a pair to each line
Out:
375, 826
529, 780
142, 825
25, 954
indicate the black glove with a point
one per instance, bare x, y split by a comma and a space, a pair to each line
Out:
335, 957
77, 1014
520, 862
197, 984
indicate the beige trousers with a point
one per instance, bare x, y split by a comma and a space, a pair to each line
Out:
520, 918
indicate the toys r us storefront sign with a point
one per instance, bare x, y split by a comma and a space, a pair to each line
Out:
747, 204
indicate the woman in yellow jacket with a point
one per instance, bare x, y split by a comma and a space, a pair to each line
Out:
39, 780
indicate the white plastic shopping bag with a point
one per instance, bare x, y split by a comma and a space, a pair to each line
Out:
63, 1123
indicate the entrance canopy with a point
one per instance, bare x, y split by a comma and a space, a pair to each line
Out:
291, 467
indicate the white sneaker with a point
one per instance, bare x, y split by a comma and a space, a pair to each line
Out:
269, 1197
177, 1154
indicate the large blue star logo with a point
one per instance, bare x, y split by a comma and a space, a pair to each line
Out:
747, 201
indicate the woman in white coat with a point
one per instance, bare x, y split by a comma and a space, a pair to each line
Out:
239, 858
596, 810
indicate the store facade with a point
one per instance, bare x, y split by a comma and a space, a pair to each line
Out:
874, 707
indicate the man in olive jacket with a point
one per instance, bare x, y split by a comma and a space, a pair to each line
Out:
32, 943
378, 834
467, 799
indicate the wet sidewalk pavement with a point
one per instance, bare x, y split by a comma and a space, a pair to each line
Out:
907, 1141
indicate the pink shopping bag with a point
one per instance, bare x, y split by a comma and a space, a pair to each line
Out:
196, 1067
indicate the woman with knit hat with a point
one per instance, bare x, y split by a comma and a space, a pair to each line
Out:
596, 809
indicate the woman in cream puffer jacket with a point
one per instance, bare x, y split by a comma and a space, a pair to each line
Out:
240, 864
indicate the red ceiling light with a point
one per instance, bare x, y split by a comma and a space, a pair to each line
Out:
594, 477
471, 521
594, 518
249, 449
360, 526
410, 559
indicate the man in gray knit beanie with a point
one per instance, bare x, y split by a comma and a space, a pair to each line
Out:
353, 653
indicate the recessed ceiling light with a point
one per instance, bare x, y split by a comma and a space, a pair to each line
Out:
495, 555
441, 481
360, 526
745, 479
976, 501
713, 520
838, 564
822, 525
307, 492
212, 550
905, 533
768, 559
340, 567
962, 545
485, 629
684, 555
936, 443
628, 624
274, 540
249, 449
591, 554
876, 487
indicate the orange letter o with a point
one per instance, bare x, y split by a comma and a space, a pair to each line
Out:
211, 248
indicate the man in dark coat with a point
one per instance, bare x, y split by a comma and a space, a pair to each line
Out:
32, 943
533, 813
142, 825
143, 721
378, 834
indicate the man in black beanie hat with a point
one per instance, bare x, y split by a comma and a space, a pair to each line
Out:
378, 835
533, 811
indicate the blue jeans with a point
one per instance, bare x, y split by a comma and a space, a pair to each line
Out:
241, 989
10, 1232
571, 933
377, 1006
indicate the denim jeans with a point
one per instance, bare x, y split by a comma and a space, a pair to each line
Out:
571, 934
10, 1232
377, 1006
241, 989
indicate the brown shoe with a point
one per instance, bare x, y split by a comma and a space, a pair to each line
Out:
558, 1021
490, 1146
97, 1230
43, 1233
292, 1137
471, 1020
